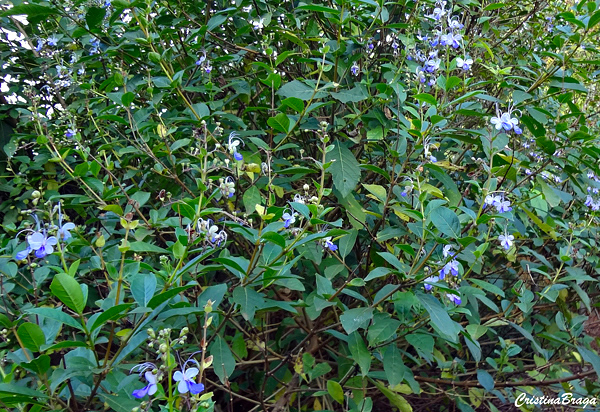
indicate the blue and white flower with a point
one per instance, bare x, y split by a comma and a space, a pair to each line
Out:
506, 240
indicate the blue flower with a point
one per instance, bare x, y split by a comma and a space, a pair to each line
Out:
450, 268
186, 381
505, 120
454, 298
464, 64
506, 240
52, 41
40, 45
63, 230
107, 3
149, 389
289, 219
227, 187
233, 144
70, 133
503, 206
355, 69
329, 244
431, 279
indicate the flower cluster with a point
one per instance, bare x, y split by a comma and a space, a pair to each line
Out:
227, 187
447, 33
450, 268
204, 63
499, 202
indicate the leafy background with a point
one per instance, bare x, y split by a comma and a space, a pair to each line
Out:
123, 111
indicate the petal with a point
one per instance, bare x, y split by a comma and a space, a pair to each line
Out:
40, 253
68, 226
52, 240
140, 393
35, 241
153, 388
191, 373
49, 250
178, 376
150, 377
196, 388
182, 387
22, 254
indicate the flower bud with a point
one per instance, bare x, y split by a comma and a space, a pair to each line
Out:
209, 306
151, 333
163, 348
306, 187
36, 194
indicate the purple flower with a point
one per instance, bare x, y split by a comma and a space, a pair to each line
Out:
429, 280
186, 381
52, 41
70, 133
149, 389
354, 69
506, 240
454, 298
289, 218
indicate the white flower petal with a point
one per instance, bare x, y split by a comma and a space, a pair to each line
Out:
191, 373
178, 376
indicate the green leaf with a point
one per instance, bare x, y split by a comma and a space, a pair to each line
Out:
552, 198
69, 292
345, 169
30, 10
382, 329
544, 226
356, 94
377, 273
281, 123
299, 90
143, 287
294, 103
249, 300
446, 221
357, 318
275, 238
395, 398
378, 191
594, 19
393, 365
590, 357
14, 389
223, 360
94, 17
56, 315
334, 389
360, 353
39, 365
31, 336
439, 317
112, 313
485, 379
146, 247
167, 295
426, 98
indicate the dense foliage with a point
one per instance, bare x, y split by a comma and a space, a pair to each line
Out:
346, 205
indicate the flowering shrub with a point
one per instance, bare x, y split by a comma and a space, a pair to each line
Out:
257, 205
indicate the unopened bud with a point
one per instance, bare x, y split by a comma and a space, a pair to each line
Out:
209, 306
